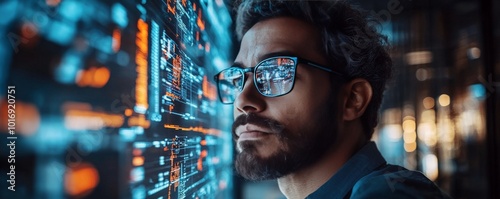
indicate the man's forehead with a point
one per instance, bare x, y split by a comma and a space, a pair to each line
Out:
281, 30
277, 36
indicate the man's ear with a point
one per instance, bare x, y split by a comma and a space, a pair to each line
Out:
358, 94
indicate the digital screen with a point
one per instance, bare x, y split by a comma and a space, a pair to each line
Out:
114, 99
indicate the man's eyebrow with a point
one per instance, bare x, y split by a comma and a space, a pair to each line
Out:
265, 56
277, 53
238, 64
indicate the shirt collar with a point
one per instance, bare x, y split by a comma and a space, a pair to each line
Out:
359, 165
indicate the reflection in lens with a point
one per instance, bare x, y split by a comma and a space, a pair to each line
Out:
275, 76
227, 92
230, 83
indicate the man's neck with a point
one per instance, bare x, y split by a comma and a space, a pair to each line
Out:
300, 184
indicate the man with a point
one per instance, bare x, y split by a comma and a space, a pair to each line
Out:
306, 86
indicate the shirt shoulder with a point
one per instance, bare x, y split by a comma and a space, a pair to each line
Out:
393, 181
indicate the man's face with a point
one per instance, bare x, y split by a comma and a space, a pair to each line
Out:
280, 135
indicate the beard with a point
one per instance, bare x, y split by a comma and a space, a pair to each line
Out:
297, 148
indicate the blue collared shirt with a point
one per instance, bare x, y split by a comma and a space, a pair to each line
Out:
367, 175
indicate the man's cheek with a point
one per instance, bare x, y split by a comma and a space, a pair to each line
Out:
290, 114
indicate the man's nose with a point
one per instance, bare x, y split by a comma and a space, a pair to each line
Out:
249, 99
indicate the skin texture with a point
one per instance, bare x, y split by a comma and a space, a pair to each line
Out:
303, 137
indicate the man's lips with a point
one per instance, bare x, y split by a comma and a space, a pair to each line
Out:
250, 131
249, 135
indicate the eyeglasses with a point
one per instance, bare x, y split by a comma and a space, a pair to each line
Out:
273, 77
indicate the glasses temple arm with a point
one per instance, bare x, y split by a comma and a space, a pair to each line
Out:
321, 67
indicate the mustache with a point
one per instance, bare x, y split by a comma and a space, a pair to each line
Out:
254, 119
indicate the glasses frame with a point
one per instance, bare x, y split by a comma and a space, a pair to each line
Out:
297, 60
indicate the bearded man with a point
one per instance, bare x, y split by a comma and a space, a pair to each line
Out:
306, 86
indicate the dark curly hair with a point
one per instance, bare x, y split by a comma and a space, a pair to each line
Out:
350, 38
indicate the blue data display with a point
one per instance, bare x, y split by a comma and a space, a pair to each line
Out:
116, 99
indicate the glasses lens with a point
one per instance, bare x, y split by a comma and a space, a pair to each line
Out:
230, 84
275, 76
